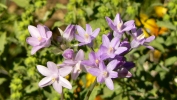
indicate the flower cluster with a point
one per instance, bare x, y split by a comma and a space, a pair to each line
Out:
107, 63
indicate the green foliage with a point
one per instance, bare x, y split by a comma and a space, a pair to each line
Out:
154, 76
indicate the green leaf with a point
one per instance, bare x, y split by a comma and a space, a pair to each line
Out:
157, 45
170, 61
2, 42
2, 80
22, 3
166, 24
58, 24
94, 93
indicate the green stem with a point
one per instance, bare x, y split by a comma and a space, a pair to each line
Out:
90, 90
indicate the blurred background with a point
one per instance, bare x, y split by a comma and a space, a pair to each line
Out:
154, 74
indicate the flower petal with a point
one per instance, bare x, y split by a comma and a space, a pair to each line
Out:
32, 41
49, 34
115, 41
52, 67
113, 74
88, 29
44, 70
94, 71
35, 49
111, 65
128, 25
109, 83
117, 19
79, 55
134, 43
110, 23
149, 39
95, 32
79, 38
33, 31
100, 79
41, 31
57, 86
102, 66
65, 71
105, 41
65, 83
120, 50
80, 31
45, 82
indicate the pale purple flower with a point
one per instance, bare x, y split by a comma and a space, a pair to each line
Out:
69, 32
118, 26
41, 37
94, 59
86, 37
68, 54
54, 76
111, 48
139, 39
105, 73
76, 63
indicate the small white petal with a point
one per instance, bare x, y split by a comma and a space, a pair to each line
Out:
34, 31
65, 83
45, 82
43, 70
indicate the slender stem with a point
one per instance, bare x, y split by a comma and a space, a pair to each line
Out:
90, 90
62, 96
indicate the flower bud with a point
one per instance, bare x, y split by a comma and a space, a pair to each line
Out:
68, 54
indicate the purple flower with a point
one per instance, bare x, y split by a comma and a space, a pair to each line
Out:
40, 37
54, 76
76, 63
105, 74
94, 59
139, 39
86, 37
118, 26
68, 54
111, 48
123, 69
69, 32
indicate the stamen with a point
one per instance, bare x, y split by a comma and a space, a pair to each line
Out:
97, 61
39, 38
105, 73
141, 36
110, 50
119, 26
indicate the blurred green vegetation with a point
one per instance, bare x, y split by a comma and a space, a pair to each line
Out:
155, 73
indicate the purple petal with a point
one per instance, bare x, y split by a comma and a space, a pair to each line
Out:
115, 41
33, 31
120, 50
57, 86
80, 30
68, 54
124, 73
112, 65
105, 41
65, 71
95, 32
32, 41
134, 43
128, 25
43, 70
65, 83
92, 57
88, 29
117, 19
100, 79
150, 47
94, 71
41, 31
109, 83
45, 82
79, 55
69, 62
79, 38
35, 49
149, 39
49, 34
110, 23
102, 66
117, 34
113, 74
52, 66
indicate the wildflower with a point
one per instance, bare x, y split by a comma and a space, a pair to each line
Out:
69, 32
111, 48
86, 37
118, 26
54, 76
139, 39
68, 54
105, 74
76, 63
40, 37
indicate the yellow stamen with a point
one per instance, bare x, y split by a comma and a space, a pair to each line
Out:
105, 74
97, 61
119, 25
110, 50
86, 36
39, 38
141, 36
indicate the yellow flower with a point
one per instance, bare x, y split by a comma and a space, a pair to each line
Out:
149, 25
160, 11
90, 79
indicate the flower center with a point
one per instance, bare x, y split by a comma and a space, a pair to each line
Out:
105, 74
110, 50
39, 38
119, 26
141, 36
87, 37
97, 61
53, 79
